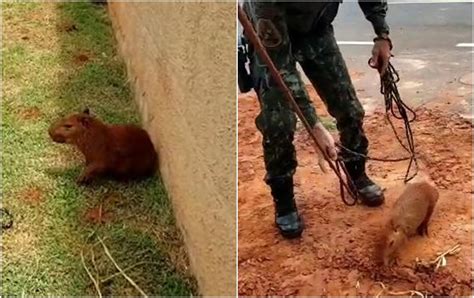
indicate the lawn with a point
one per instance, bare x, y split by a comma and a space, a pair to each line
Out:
59, 58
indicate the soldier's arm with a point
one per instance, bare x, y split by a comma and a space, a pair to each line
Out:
375, 12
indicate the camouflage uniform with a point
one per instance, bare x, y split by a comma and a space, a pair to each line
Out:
302, 32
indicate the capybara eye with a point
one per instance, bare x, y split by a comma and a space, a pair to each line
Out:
67, 125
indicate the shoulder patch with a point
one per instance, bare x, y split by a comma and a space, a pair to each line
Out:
268, 33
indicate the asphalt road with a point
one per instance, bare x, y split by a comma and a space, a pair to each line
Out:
433, 49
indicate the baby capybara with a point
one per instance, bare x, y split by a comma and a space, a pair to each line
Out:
411, 214
122, 152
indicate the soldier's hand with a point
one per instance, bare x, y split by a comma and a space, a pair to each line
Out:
326, 140
381, 54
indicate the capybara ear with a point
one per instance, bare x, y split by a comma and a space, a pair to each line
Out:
86, 111
85, 120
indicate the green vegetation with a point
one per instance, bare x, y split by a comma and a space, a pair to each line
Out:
59, 58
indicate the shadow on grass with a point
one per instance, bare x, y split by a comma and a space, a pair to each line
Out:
138, 227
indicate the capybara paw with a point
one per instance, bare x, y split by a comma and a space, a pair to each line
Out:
422, 230
83, 180
419, 231
388, 262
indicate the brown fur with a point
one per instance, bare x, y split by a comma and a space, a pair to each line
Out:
410, 215
121, 151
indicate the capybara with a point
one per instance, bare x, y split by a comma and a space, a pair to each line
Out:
409, 216
121, 152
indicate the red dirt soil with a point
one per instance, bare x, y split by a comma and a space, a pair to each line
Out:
31, 195
97, 215
102, 212
31, 113
335, 255
81, 58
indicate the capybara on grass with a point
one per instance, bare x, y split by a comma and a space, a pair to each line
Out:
121, 152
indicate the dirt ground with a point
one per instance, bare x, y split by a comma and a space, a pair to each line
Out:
335, 255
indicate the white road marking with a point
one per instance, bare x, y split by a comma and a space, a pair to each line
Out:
416, 64
356, 43
465, 45
411, 85
427, 1
369, 43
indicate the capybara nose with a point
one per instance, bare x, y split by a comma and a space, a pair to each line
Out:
55, 137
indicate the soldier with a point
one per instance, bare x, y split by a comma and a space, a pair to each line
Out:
302, 32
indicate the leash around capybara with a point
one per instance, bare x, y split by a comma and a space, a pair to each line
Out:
347, 184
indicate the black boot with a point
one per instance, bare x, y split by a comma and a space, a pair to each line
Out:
287, 218
369, 193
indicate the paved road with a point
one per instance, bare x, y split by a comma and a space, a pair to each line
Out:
428, 51
425, 36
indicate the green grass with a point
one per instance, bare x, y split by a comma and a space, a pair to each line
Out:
42, 79
329, 123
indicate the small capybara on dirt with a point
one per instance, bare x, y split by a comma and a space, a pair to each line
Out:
410, 216
122, 152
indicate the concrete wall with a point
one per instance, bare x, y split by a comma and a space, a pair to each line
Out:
181, 62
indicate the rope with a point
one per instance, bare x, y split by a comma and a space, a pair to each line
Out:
388, 87
347, 184
395, 107
339, 166
358, 155
393, 101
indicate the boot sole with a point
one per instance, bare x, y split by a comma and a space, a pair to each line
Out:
293, 234
374, 203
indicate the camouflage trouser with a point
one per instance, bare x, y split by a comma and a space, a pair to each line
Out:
322, 62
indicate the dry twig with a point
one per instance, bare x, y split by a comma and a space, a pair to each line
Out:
106, 250
402, 293
94, 281
440, 260
126, 269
